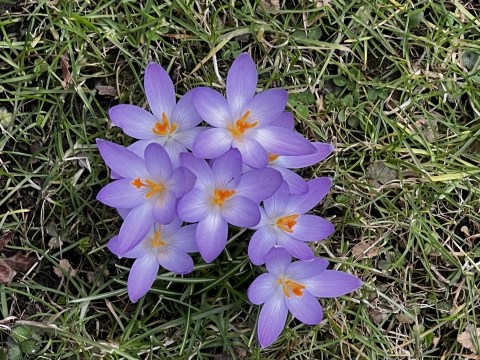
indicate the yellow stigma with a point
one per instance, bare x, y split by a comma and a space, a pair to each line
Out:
220, 195
162, 128
291, 287
157, 240
155, 188
287, 223
241, 125
272, 157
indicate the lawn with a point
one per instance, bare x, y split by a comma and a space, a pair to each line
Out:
393, 85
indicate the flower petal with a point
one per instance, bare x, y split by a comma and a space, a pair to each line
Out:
241, 82
282, 141
141, 277
138, 147
184, 113
312, 228
277, 261
296, 184
121, 194
301, 161
211, 236
133, 120
175, 260
284, 120
253, 153
159, 90
317, 189
259, 185
271, 321
212, 143
164, 208
267, 106
305, 308
241, 211
174, 148
182, 181
124, 162
275, 204
262, 288
227, 169
262, 241
212, 107
296, 248
194, 206
184, 238
136, 225
187, 137
301, 271
332, 283
158, 162
200, 169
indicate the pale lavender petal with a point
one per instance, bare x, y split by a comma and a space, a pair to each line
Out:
121, 194
301, 271
312, 228
281, 141
187, 137
253, 153
138, 147
332, 283
271, 321
284, 120
172, 227
184, 239
141, 277
138, 251
184, 113
114, 175
317, 189
194, 206
241, 81
262, 241
174, 148
200, 169
121, 160
123, 212
212, 143
211, 236
212, 107
134, 121
241, 211
164, 208
175, 260
159, 91
277, 261
305, 308
182, 181
264, 220
227, 169
158, 162
259, 185
301, 161
296, 248
296, 184
275, 204
262, 288
136, 225
267, 106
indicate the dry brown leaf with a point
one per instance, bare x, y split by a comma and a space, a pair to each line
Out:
465, 339
20, 262
64, 267
6, 272
365, 249
66, 75
5, 239
106, 90
270, 5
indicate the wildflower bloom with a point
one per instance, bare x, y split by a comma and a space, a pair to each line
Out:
149, 187
283, 222
294, 287
170, 124
164, 245
221, 196
244, 120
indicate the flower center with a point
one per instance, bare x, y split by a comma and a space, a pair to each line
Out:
155, 188
272, 157
287, 223
241, 125
157, 239
162, 128
221, 195
291, 287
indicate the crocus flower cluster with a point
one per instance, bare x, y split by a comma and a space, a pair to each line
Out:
208, 163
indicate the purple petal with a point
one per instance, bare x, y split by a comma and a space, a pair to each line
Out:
182, 181
262, 288
241, 211
312, 228
200, 169
184, 113
301, 161
271, 321
281, 141
284, 120
159, 90
112, 245
332, 283
134, 121
262, 241
296, 248
141, 277
174, 148
227, 169
267, 106
275, 204
241, 82
136, 225
124, 162
296, 184
123, 212
305, 308
253, 153
188, 137
158, 162
138, 147
121, 194
212, 143
317, 189
184, 239
277, 261
164, 208
301, 271
194, 206
259, 185
138, 251
212, 107
175, 260
211, 236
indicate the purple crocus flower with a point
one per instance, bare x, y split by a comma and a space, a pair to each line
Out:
283, 222
164, 245
150, 187
245, 120
170, 124
222, 196
294, 287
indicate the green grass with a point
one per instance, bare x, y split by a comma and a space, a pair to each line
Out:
395, 85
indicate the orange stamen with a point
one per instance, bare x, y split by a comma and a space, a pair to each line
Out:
220, 195
290, 286
155, 188
162, 128
287, 223
241, 125
272, 157
157, 240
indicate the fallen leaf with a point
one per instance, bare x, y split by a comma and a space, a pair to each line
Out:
365, 249
270, 5
66, 75
465, 339
464, 229
106, 90
20, 262
6, 272
55, 242
5, 239
64, 267
428, 128
378, 174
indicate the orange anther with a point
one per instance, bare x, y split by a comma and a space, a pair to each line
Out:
290, 286
220, 195
241, 125
162, 128
287, 223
